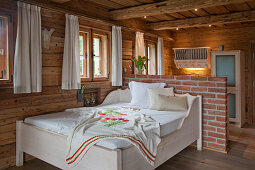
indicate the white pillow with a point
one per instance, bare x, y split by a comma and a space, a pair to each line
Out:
139, 92
190, 98
154, 92
171, 103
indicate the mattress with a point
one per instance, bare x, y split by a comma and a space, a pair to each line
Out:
64, 122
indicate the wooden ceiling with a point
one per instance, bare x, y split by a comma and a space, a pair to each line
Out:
172, 14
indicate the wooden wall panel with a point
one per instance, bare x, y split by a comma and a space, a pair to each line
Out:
127, 66
127, 49
167, 57
52, 60
127, 54
129, 38
51, 76
15, 107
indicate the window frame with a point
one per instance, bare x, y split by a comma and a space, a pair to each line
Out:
82, 31
90, 54
107, 34
146, 44
11, 47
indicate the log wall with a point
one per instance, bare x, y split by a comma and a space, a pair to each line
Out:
15, 107
128, 50
236, 37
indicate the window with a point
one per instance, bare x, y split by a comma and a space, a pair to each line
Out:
4, 52
151, 53
84, 57
152, 59
100, 55
94, 54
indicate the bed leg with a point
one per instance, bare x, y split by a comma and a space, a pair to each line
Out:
119, 159
19, 152
199, 141
19, 158
199, 144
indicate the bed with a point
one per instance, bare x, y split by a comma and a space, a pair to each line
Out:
45, 137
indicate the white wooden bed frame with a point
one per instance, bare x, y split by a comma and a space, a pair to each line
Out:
51, 147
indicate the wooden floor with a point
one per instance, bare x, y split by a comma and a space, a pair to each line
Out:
241, 156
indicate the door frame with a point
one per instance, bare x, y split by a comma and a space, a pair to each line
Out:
239, 89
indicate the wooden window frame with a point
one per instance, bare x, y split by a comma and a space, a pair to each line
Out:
90, 54
146, 44
86, 35
89, 78
11, 47
106, 33
100, 50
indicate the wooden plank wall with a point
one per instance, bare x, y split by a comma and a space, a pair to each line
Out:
3, 32
128, 50
52, 99
236, 37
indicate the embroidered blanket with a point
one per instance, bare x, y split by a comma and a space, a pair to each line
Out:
119, 122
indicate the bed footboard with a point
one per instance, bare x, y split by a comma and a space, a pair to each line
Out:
171, 144
19, 152
199, 141
51, 148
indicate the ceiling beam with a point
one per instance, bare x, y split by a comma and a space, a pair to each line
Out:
205, 21
169, 6
60, 1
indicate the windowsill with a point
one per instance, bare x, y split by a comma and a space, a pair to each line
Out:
96, 84
101, 79
94, 81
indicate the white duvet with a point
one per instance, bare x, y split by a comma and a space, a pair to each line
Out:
123, 123
64, 122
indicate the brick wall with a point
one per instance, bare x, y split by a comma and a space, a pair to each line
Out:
213, 90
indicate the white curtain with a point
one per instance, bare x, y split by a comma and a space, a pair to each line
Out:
139, 44
160, 51
152, 60
71, 59
28, 51
116, 56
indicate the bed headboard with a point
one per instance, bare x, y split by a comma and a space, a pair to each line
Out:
117, 96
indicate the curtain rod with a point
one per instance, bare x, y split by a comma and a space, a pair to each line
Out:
80, 15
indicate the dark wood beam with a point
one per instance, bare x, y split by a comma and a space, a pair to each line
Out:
204, 21
60, 1
169, 6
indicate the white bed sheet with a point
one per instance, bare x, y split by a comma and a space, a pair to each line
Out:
64, 122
